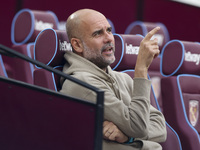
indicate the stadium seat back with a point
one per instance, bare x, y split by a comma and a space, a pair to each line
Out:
179, 57
181, 90
47, 79
27, 24
126, 50
54, 43
20, 69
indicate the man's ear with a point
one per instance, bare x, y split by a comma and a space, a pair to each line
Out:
77, 45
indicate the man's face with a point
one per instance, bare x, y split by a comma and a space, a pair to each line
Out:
98, 41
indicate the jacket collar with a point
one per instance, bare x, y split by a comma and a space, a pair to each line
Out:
77, 63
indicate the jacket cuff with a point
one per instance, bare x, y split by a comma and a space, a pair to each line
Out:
130, 140
142, 87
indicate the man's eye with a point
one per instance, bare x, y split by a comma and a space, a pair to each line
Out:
97, 33
109, 29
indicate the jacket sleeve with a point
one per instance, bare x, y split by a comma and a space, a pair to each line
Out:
157, 128
136, 119
155, 121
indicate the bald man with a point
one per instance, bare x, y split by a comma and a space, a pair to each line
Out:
130, 122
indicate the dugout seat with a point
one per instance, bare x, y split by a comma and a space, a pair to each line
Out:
181, 90
179, 57
17, 68
140, 27
26, 25
47, 79
55, 43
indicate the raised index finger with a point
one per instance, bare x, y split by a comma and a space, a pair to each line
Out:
151, 33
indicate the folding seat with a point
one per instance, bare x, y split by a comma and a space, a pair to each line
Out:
181, 90
17, 68
139, 27
127, 47
54, 43
26, 25
185, 56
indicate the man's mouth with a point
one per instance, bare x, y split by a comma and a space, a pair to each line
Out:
108, 50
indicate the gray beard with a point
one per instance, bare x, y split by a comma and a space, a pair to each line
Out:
98, 59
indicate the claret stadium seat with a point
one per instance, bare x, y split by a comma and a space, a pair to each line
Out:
139, 27
17, 68
26, 25
55, 43
181, 90
126, 50
179, 57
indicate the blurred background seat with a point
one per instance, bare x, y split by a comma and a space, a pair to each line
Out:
26, 25
54, 43
181, 90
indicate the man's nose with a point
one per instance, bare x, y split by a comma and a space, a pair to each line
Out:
108, 37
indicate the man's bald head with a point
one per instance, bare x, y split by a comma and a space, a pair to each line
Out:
75, 21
